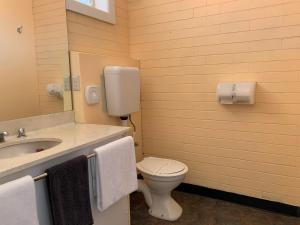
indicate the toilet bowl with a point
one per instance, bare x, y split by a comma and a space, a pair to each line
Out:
161, 176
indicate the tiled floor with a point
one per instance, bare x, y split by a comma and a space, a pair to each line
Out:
198, 210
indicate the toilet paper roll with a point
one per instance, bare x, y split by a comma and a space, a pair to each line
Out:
225, 93
241, 97
244, 93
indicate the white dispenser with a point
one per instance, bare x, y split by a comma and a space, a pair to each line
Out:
236, 93
225, 93
55, 89
122, 85
92, 94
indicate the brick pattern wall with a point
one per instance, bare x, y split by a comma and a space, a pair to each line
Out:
51, 52
185, 48
94, 36
95, 44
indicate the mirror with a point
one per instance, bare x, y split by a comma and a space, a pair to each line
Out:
34, 59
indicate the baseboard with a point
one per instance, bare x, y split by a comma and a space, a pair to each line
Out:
241, 199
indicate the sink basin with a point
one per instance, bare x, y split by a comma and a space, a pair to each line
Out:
28, 146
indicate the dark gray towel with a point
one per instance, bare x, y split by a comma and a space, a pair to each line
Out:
68, 186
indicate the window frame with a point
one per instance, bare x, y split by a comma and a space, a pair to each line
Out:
109, 17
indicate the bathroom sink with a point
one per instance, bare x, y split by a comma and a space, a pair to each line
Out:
24, 147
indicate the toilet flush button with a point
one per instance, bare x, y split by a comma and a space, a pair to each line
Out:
92, 94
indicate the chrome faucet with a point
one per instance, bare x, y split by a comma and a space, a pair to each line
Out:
3, 134
21, 133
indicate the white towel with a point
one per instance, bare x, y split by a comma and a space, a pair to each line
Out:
116, 172
18, 202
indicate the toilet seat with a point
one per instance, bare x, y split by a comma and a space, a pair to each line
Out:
161, 167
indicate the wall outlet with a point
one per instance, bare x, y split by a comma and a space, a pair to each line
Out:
76, 83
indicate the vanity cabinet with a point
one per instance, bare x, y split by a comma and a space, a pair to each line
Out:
118, 214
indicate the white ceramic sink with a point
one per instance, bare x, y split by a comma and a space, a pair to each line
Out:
28, 146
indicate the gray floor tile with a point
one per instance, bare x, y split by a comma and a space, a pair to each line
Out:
198, 210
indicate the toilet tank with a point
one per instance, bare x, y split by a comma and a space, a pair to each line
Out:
122, 86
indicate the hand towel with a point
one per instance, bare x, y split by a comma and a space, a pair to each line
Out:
18, 202
68, 186
116, 172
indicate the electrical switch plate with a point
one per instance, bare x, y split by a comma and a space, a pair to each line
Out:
76, 83
67, 83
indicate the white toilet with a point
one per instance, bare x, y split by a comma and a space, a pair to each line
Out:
161, 176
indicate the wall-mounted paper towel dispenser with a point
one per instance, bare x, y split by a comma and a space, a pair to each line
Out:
236, 93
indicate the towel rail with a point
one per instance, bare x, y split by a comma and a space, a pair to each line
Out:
44, 175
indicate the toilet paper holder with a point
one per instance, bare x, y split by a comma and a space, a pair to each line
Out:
236, 93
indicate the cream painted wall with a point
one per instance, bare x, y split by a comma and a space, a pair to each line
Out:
95, 44
185, 48
94, 36
18, 77
33, 59
89, 68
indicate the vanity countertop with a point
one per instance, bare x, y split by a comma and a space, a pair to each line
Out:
74, 137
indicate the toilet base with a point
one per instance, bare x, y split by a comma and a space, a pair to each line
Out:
165, 207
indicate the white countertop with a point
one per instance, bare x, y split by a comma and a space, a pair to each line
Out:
74, 137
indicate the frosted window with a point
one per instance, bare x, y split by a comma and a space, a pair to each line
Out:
102, 4
98, 4
99, 9
86, 2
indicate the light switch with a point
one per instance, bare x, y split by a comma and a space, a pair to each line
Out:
92, 94
76, 83
67, 83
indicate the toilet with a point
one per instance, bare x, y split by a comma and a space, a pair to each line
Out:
161, 176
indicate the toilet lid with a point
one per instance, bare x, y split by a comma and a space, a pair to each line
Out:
158, 166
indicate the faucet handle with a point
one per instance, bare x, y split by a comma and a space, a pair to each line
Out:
21, 132
3, 134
